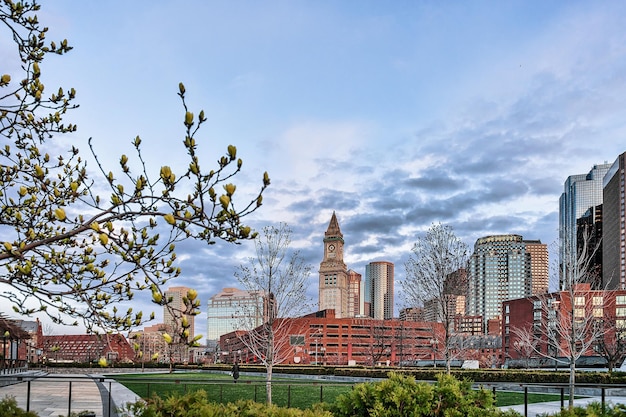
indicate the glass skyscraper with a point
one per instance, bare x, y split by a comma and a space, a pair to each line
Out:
582, 193
225, 310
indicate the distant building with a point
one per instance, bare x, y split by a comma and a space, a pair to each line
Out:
334, 288
172, 312
536, 315
412, 314
581, 193
379, 279
226, 309
355, 298
539, 266
326, 339
501, 268
614, 227
87, 348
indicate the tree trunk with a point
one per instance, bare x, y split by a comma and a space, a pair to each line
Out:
268, 384
572, 382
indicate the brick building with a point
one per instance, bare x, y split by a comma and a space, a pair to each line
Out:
589, 309
322, 338
87, 348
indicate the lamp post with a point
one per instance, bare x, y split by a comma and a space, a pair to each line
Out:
433, 343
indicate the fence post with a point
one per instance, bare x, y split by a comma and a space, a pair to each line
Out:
289, 396
28, 396
562, 397
109, 399
603, 399
321, 393
69, 401
255, 390
526, 401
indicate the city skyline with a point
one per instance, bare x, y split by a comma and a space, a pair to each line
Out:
395, 116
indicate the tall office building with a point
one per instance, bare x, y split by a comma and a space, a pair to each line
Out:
379, 289
172, 312
334, 287
226, 309
582, 193
355, 299
539, 266
500, 269
614, 228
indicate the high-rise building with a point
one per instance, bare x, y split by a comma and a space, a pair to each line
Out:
614, 226
582, 192
539, 269
355, 299
172, 313
226, 309
334, 287
500, 269
379, 289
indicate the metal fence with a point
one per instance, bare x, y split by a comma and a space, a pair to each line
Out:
97, 396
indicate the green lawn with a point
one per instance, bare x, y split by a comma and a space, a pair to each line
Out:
287, 392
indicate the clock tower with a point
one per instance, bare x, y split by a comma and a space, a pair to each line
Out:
333, 283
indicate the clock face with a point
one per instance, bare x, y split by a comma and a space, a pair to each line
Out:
331, 247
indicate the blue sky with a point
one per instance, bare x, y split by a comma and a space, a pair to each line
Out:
395, 115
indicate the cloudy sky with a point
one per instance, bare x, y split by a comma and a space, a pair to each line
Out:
395, 115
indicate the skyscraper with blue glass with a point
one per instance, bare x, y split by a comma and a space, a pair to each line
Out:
582, 196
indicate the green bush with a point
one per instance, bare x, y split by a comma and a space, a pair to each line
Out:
196, 404
9, 408
402, 395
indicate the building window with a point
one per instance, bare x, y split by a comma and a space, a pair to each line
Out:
598, 312
296, 340
598, 300
620, 299
579, 300
620, 311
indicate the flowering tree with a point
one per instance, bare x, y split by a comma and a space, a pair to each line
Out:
74, 244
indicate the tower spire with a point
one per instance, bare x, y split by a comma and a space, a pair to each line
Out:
333, 228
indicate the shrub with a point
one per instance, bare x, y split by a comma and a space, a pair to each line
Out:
196, 404
9, 408
401, 395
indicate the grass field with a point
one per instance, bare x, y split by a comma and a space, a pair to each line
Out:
287, 392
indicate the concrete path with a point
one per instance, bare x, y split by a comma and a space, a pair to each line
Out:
50, 397
553, 407
55, 396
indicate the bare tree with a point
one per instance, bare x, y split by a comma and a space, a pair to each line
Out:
76, 243
435, 269
567, 325
612, 345
526, 345
280, 275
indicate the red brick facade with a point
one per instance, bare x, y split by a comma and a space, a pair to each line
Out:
87, 348
322, 338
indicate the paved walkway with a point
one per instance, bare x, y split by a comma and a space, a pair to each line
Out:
55, 395
554, 407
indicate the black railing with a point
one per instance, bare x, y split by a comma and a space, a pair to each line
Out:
287, 394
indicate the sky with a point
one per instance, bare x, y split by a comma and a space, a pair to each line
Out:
394, 115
